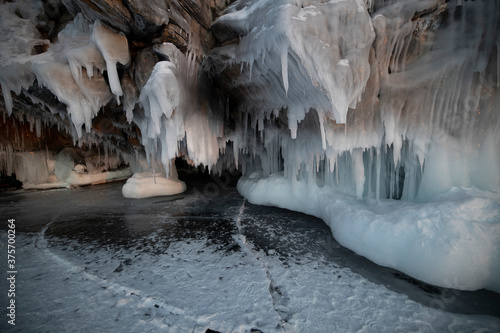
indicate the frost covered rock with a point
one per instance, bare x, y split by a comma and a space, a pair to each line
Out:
160, 96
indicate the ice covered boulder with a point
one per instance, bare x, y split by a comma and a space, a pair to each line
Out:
65, 162
147, 184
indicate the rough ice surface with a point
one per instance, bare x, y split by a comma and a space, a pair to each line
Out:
453, 242
145, 185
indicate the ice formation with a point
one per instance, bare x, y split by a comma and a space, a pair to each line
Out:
419, 115
114, 49
145, 185
171, 115
453, 241
393, 103
19, 38
425, 130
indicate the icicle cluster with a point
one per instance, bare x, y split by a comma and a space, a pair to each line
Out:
172, 116
19, 38
72, 68
401, 103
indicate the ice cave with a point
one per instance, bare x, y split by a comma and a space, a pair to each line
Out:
250, 165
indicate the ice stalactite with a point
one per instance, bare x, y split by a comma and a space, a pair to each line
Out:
301, 52
114, 49
19, 40
72, 70
159, 97
172, 116
175, 119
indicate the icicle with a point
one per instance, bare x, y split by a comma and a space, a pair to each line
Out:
322, 129
377, 179
7, 98
498, 61
358, 172
250, 71
284, 69
106, 156
292, 125
38, 126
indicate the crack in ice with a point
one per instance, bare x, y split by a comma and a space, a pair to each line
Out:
274, 291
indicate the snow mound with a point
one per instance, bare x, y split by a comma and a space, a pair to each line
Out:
452, 242
146, 184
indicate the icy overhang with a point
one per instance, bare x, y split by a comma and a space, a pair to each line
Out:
296, 55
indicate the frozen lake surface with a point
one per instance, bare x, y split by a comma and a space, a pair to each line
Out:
89, 260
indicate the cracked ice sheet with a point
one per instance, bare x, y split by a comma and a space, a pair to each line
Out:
66, 286
324, 298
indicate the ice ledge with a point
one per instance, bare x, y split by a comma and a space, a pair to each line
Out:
452, 242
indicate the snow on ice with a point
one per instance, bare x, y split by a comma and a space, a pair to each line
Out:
143, 270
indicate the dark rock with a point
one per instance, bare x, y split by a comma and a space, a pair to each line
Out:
148, 17
143, 66
113, 13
